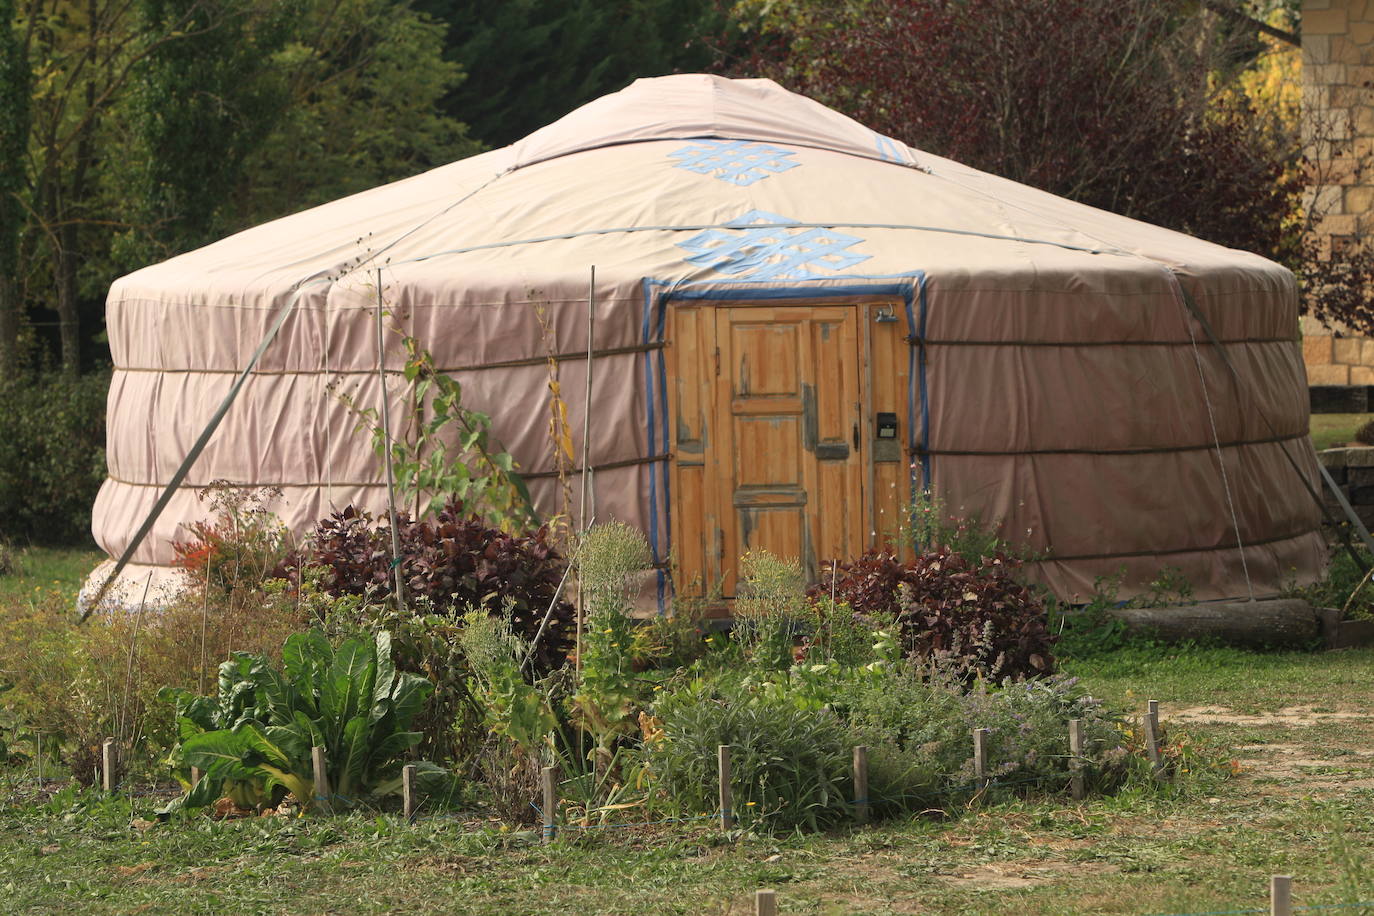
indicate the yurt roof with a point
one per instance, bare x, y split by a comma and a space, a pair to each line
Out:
622, 180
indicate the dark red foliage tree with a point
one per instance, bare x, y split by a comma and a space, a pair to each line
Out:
1121, 104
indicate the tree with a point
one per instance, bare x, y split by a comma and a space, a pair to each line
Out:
14, 134
194, 111
530, 62
1128, 105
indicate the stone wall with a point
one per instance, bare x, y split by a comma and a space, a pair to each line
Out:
1353, 471
1337, 65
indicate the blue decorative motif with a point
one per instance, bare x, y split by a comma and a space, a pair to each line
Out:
740, 162
772, 252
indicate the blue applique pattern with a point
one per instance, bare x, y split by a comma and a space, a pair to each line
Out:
772, 252
740, 162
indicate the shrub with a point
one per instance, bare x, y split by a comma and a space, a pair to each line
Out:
790, 765
453, 561
52, 454
972, 614
1365, 434
772, 599
241, 545
78, 683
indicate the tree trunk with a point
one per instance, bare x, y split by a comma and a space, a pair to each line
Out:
67, 315
9, 324
1277, 622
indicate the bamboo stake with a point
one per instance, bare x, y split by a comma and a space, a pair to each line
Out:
549, 779
408, 791
386, 440
1281, 895
586, 459
1076, 758
861, 784
322, 794
727, 816
765, 903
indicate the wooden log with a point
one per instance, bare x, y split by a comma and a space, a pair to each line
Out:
980, 756
549, 781
861, 784
1281, 895
408, 791
765, 903
107, 765
321, 801
1152, 737
1076, 759
1276, 622
727, 815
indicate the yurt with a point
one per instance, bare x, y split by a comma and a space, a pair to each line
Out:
798, 324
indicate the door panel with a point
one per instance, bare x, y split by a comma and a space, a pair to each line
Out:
788, 467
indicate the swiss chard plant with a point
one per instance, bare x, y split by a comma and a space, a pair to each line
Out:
253, 740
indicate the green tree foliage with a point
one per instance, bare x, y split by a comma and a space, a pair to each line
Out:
158, 125
14, 132
530, 62
196, 108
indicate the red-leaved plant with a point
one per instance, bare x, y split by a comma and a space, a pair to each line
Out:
453, 560
973, 616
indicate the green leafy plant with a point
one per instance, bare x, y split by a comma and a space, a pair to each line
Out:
610, 559
253, 740
770, 604
453, 457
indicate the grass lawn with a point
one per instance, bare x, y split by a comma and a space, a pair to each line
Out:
1301, 727
49, 569
1332, 429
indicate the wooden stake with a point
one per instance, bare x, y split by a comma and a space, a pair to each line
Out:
1152, 736
38, 755
408, 791
322, 794
1281, 895
861, 784
1076, 759
549, 780
107, 767
195, 776
765, 903
980, 756
727, 814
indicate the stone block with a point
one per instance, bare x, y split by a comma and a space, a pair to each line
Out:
1359, 199
1317, 350
1366, 515
1330, 376
1362, 375
1323, 22
1346, 350
1316, 49
1333, 459
1358, 457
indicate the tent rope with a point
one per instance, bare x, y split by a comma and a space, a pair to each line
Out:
1221, 459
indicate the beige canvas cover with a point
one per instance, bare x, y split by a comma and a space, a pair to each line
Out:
1066, 387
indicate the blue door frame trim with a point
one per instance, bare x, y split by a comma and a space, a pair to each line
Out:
909, 287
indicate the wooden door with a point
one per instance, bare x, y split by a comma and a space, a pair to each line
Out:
786, 469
